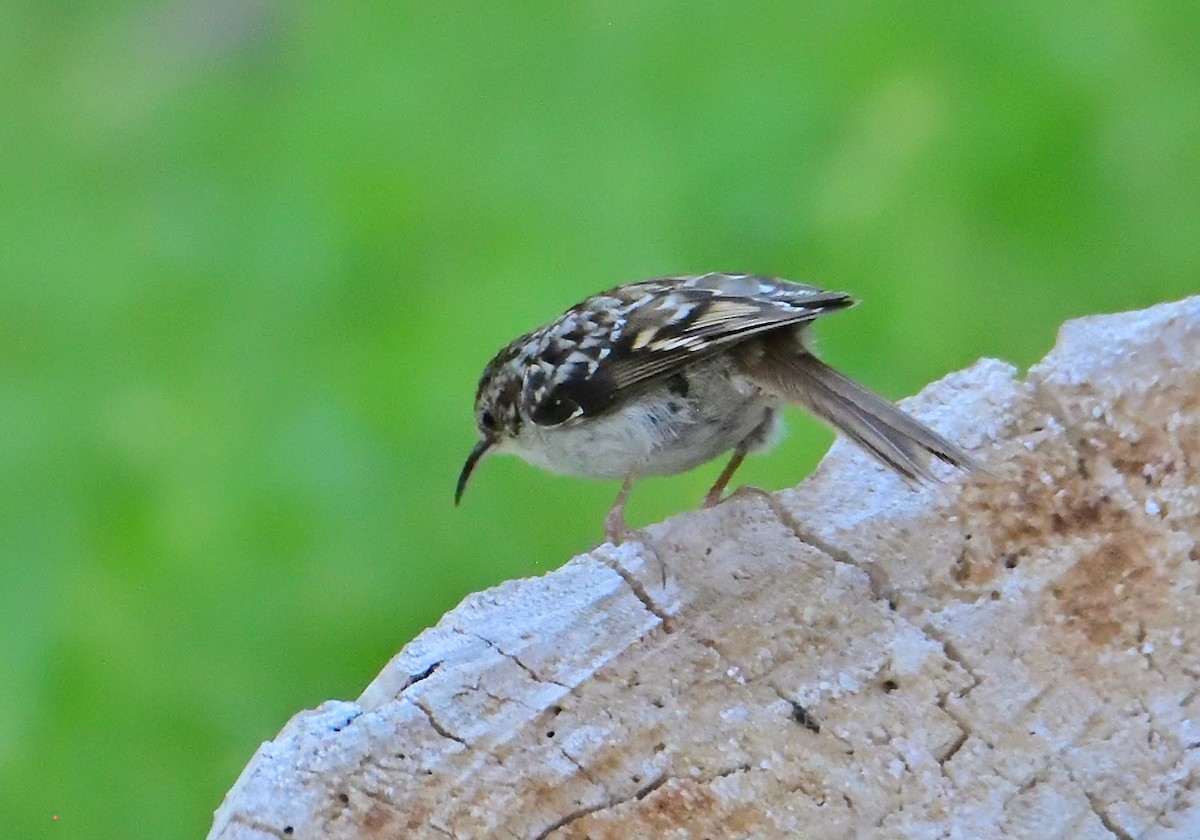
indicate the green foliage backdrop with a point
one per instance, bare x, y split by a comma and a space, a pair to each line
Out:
253, 256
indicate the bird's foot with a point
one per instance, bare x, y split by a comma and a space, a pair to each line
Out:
745, 491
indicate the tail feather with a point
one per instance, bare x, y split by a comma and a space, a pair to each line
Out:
894, 438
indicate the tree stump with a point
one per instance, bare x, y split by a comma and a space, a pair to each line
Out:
1010, 655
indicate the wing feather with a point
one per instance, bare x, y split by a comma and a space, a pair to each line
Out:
653, 329
657, 343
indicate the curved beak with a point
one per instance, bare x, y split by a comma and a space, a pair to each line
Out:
478, 452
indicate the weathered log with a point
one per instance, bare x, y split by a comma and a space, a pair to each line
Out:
1013, 655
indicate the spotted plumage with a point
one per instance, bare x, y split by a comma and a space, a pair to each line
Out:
656, 377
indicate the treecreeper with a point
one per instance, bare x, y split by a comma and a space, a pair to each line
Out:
660, 376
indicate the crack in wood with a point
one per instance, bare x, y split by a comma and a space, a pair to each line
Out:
536, 677
437, 727
1105, 819
635, 586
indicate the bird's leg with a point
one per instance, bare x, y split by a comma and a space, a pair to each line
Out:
615, 528
714, 495
617, 531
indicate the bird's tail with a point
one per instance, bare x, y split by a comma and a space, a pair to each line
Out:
897, 440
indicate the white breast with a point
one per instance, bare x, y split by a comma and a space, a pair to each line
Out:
657, 432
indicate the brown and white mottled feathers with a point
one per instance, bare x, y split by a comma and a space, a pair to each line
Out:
657, 377
616, 342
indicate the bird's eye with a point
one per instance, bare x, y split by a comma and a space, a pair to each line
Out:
487, 420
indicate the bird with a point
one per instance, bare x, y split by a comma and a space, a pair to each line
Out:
659, 376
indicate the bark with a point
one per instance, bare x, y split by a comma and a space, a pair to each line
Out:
1013, 655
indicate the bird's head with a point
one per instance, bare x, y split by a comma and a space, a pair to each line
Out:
496, 413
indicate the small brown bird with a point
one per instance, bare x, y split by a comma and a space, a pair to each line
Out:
658, 377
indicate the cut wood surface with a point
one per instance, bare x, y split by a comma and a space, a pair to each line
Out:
1010, 655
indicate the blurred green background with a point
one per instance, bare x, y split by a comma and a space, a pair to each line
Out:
254, 255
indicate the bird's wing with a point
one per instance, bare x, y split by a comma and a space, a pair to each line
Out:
621, 340
694, 317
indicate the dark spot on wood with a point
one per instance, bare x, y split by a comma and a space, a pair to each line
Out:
1111, 593
1083, 516
413, 679
801, 716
